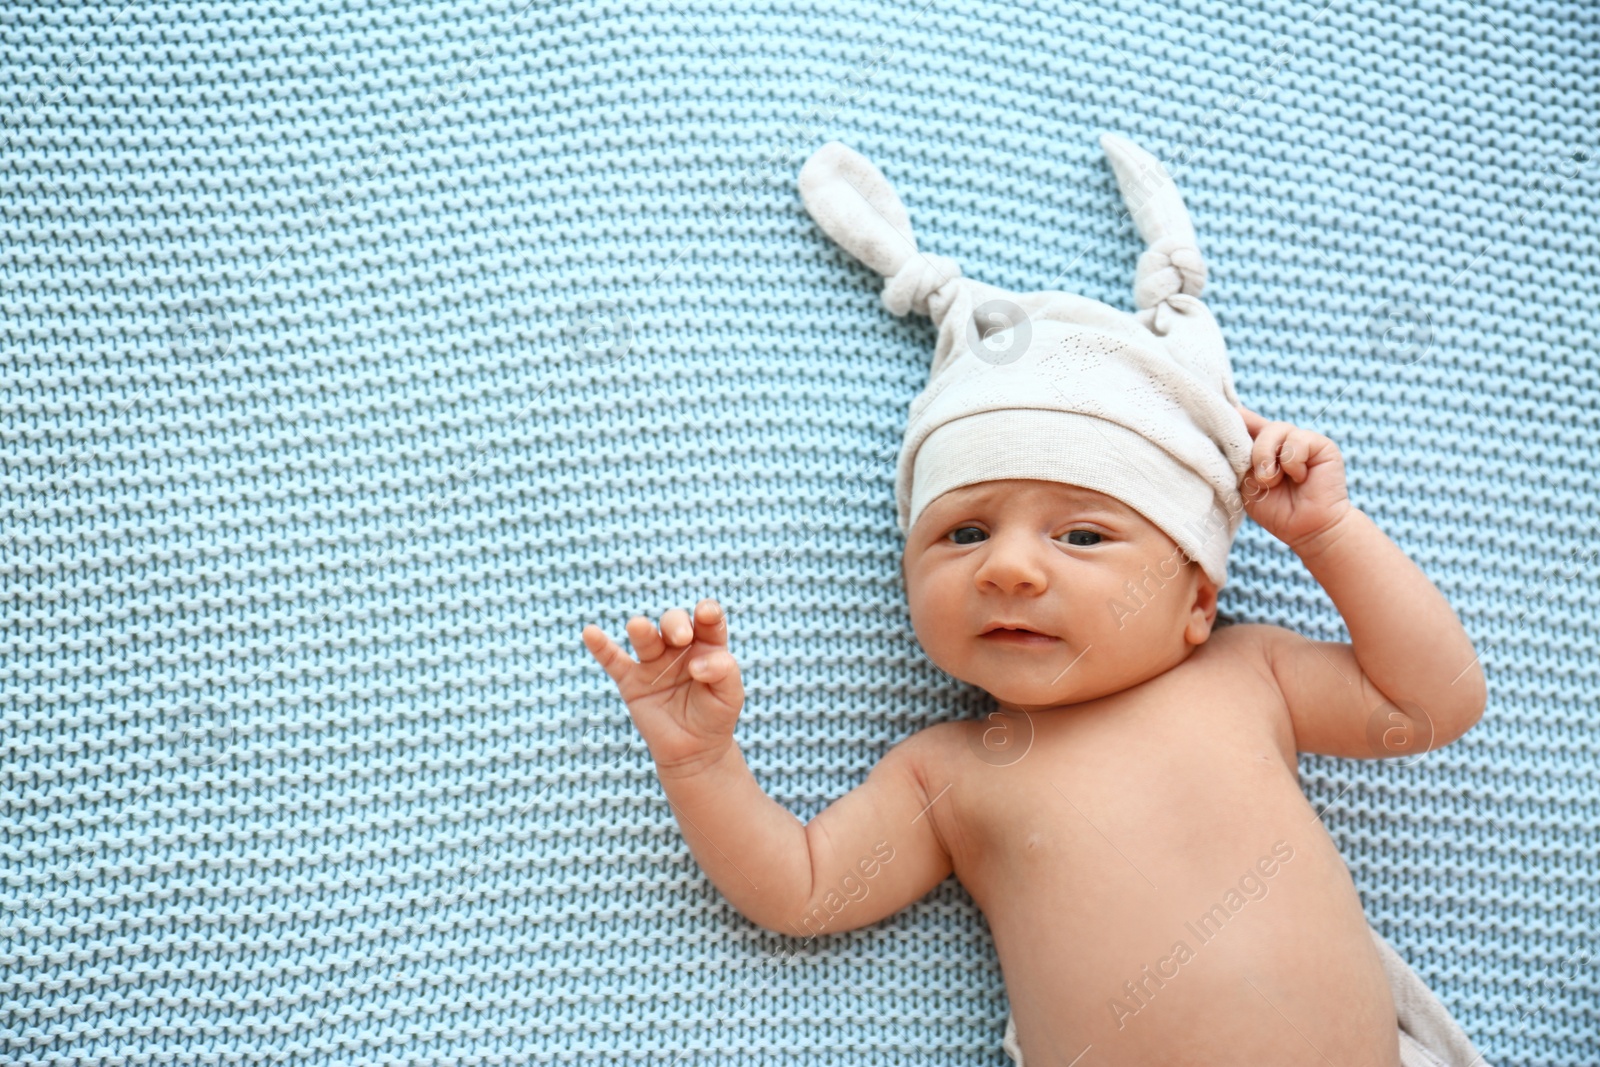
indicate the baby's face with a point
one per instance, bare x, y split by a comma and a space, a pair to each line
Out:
1056, 559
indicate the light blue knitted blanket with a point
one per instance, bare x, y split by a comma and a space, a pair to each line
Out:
356, 358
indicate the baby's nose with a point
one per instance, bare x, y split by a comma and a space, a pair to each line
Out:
1014, 561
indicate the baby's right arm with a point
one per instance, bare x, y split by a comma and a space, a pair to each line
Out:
866, 856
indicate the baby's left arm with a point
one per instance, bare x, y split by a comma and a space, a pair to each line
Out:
1411, 678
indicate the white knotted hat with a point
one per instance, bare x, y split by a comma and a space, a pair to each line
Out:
1053, 386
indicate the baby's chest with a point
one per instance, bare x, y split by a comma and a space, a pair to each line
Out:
1165, 791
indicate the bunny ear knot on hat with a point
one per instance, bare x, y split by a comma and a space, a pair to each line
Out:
855, 205
1171, 273
1054, 386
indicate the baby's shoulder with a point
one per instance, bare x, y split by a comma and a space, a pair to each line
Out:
946, 751
936, 744
1247, 645
1242, 654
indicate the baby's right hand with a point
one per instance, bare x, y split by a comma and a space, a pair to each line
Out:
684, 692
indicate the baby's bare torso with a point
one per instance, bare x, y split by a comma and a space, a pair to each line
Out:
1108, 861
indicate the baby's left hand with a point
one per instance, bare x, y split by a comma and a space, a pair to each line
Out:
1313, 500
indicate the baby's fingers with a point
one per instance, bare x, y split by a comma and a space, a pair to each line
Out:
711, 622
612, 659
1292, 457
1252, 421
712, 668
647, 642
718, 672
1264, 453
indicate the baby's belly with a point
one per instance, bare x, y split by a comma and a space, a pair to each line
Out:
1181, 922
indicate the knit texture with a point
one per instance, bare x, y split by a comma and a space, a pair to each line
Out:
355, 359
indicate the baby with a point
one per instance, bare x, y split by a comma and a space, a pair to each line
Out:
1129, 818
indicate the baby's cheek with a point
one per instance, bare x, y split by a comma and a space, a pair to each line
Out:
944, 648
937, 632
923, 613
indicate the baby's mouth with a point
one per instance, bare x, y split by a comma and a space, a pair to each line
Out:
1017, 636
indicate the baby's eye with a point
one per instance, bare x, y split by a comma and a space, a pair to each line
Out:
1084, 544
956, 533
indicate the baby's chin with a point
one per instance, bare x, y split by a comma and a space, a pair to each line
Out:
1034, 695
1044, 685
